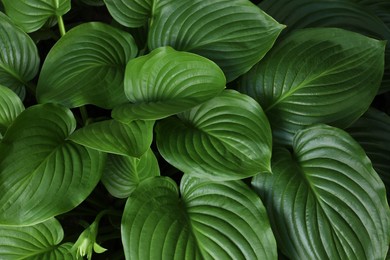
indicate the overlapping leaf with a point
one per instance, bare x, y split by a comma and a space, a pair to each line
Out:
19, 60
33, 14
122, 174
227, 137
233, 33
111, 136
40, 242
319, 75
211, 220
326, 201
372, 131
10, 107
134, 13
41, 173
86, 66
166, 82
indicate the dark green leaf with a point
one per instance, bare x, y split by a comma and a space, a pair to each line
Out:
212, 220
135, 13
227, 137
86, 66
10, 107
316, 75
326, 201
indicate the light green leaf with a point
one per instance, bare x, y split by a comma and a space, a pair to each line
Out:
235, 34
211, 220
31, 15
316, 75
134, 13
325, 201
41, 173
86, 66
372, 132
122, 174
19, 60
10, 107
166, 82
226, 138
40, 242
111, 136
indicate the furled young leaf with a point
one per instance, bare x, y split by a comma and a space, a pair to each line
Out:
372, 131
40, 242
355, 15
41, 173
10, 107
235, 34
326, 201
166, 82
86, 66
212, 220
111, 136
227, 138
316, 75
31, 15
134, 13
19, 60
122, 174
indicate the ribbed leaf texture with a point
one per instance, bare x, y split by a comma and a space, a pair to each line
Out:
135, 13
10, 107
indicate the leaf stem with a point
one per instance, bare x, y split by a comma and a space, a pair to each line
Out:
61, 25
84, 115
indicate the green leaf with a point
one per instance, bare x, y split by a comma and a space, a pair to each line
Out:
226, 138
86, 66
19, 60
166, 82
316, 75
371, 131
122, 174
211, 220
130, 13
10, 107
33, 14
235, 34
41, 173
111, 136
325, 201
40, 242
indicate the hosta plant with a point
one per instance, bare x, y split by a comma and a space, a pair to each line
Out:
191, 129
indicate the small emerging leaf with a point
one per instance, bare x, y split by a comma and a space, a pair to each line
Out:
133, 13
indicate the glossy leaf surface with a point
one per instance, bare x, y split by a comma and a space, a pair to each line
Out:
31, 15
317, 75
111, 136
122, 174
86, 66
325, 201
37, 242
211, 220
53, 175
10, 107
134, 13
19, 60
234, 34
227, 137
166, 82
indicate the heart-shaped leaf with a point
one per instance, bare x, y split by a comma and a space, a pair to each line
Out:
326, 201
166, 82
55, 174
134, 13
33, 14
19, 60
234, 34
10, 107
212, 220
372, 132
111, 136
122, 174
316, 75
227, 138
86, 66
41, 241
